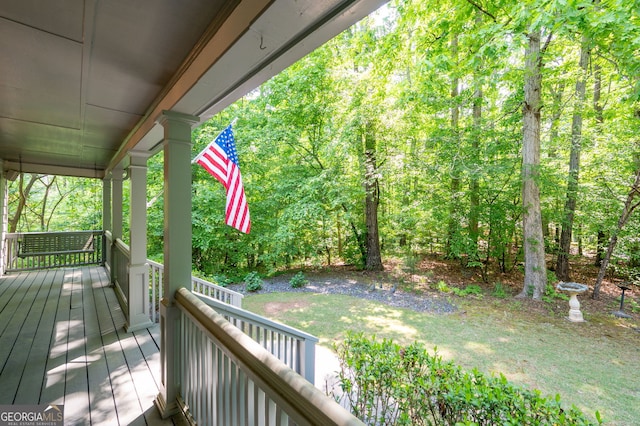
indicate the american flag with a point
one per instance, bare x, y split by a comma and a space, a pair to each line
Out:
220, 159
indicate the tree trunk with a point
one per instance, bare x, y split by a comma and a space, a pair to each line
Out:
339, 235
599, 115
44, 222
629, 207
535, 271
23, 196
557, 93
474, 186
562, 265
454, 206
372, 201
600, 245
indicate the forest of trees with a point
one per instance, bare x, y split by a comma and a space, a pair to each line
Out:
501, 134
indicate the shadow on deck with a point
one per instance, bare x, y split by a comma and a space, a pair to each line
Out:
62, 341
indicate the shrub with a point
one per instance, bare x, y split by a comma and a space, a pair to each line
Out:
253, 282
222, 280
443, 287
470, 289
385, 384
499, 290
550, 294
298, 280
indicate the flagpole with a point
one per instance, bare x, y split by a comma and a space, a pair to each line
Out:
233, 122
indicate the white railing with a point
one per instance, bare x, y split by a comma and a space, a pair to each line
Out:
108, 242
24, 251
198, 285
156, 283
293, 347
227, 378
120, 256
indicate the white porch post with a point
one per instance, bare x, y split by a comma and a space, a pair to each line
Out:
106, 203
117, 175
177, 248
138, 316
3, 214
106, 221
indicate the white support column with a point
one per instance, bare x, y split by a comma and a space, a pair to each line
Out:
3, 214
106, 203
177, 249
138, 316
117, 176
106, 220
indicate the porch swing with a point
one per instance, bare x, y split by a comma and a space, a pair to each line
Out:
33, 244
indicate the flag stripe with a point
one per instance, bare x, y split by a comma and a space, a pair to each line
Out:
214, 162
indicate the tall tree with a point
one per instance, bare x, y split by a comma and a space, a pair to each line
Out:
474, 186
562, 265
23, 192
372, 199
535, 270
599, 117
630, 205
454, 201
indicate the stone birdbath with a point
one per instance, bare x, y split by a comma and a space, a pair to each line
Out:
575, 315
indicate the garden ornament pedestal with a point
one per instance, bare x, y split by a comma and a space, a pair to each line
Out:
620, 313
575, 315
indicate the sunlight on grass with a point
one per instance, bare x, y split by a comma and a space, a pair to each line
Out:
346, 320
390, 326
582, 362
479, 348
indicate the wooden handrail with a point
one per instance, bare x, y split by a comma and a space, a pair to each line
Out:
302, 401
293, 347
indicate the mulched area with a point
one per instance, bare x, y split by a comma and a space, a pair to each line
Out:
358, 285
396, 287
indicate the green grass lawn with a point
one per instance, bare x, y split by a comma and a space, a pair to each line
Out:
593, 365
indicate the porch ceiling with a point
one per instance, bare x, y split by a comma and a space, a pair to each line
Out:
82, 82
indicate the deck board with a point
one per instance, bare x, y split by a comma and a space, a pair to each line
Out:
62, 341
35, 367
16, 336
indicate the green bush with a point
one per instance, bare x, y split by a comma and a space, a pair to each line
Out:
222, 280
386, 384
253, 282
551, 294
298, 280
499, 290
443, 287
470, 289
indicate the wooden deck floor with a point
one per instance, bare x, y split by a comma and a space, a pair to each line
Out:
62, 341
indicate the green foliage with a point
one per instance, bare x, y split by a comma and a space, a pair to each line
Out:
298, 280
386, 384
253, 282
222, 280
411, 261
499, 290
551, 294
55, 203
300, 143
471, 289
443, 287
